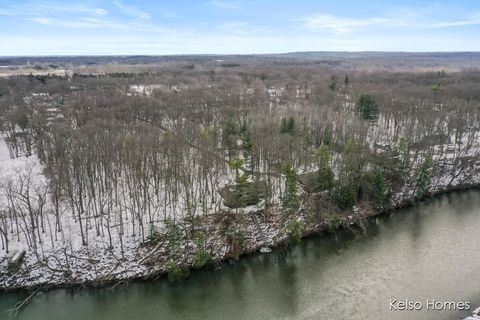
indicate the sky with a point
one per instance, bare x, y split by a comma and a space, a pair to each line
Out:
127, 27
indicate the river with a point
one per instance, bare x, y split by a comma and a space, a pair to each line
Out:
429, 251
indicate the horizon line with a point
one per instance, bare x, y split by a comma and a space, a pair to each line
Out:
233, 54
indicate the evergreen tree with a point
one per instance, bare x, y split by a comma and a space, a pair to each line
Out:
345, 197
423, 177
202, 257
376, 187
236, 164
287, 125
367, 107
326, 177
290, 199
295, 232
333, 83
231, 127
173, 236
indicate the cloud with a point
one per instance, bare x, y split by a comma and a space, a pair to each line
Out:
176, 43
117, 26
84, 22
326, 22
420, 19
100, 11
475, 20
239, 28
34, 9
132, 10
224, 4
82, 16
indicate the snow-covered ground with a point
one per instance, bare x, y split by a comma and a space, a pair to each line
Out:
4, 152
27, 172
99, 263
61, 258
60, 252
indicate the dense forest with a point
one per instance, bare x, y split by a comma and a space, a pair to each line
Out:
134, 170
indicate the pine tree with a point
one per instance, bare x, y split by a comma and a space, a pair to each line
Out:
290, 199
287, 125
367, 107
326, 177
376, 187
423, 177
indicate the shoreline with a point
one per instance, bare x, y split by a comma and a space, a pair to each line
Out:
316, 230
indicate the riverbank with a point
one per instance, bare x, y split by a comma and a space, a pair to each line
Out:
397, 257
230, 236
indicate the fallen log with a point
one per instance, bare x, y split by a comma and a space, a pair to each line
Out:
16, 259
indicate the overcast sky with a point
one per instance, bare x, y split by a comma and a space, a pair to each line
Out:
120, 27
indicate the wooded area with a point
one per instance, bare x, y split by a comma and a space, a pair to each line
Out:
126, 158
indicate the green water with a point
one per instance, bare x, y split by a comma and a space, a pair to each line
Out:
430, 251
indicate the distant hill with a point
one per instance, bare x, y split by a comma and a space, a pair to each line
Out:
374, 60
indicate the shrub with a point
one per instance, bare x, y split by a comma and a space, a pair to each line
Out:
345, 197
175, 272
335, 221
174, 235
201, 257
154, 236
231, 127
295, 232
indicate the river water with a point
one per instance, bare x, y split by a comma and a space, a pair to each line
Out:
430, 251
